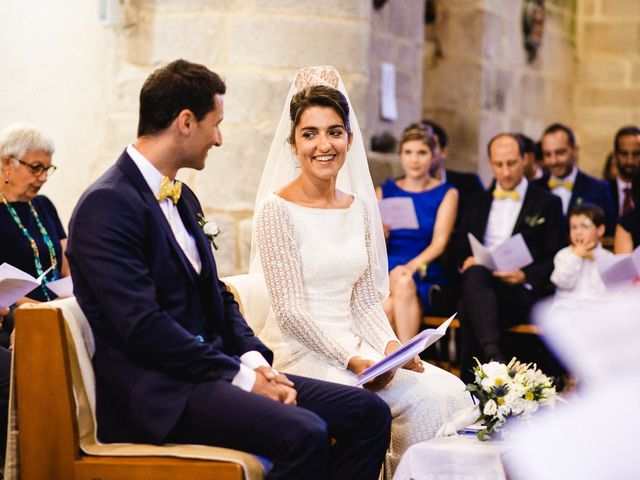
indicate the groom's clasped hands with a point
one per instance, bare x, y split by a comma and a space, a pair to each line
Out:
274, 385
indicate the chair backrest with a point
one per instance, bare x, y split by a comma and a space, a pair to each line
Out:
251, 293
44, 389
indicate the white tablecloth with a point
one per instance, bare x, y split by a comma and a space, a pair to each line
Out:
452, 458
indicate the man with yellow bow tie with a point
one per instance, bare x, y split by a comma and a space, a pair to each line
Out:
493, 300
565, 180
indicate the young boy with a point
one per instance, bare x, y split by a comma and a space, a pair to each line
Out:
575, 273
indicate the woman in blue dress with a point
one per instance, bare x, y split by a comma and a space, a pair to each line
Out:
415, 267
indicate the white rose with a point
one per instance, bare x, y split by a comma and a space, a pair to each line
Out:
211, 229
490, 408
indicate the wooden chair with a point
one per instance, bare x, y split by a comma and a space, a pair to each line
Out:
56, 420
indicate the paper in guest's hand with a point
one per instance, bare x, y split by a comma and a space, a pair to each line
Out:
14, 284
406, 352
617, 270
398, 212
510, 255
63, 287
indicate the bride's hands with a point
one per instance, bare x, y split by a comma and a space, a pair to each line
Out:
415, 364
358, 365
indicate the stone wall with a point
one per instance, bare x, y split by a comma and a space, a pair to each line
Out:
478, 82
86, 79
397, 31
607, 94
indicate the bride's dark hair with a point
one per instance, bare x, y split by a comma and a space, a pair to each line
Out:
317, 96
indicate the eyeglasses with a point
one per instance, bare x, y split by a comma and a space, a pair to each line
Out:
38, 168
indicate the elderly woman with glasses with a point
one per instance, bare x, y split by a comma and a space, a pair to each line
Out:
32, 238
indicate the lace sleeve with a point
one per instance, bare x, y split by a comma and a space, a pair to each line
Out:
283, 275
366, 307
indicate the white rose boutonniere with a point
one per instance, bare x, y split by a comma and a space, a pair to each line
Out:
534, 220
209, 228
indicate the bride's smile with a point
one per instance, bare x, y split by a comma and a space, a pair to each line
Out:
321, 143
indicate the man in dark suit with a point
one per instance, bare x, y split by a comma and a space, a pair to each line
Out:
626, 149
467, 184
493, 300
573, 186
175, 361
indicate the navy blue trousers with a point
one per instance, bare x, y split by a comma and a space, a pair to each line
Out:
296, 439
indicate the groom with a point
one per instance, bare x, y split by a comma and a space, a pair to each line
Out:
175, 361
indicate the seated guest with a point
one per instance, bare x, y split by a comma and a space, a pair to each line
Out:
627, 236
573, 186
414, 254
467, 184
627, 156
33, 238
532, 170
575, 274
175, 361
495, 300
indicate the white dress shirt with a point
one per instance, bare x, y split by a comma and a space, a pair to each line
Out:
577, 279
621, 186
503, 215
563, 192
246, 376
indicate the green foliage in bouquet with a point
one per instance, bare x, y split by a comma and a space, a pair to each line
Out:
512, 390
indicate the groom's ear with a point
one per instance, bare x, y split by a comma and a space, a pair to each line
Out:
185, 121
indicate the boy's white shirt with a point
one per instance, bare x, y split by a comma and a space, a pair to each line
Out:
577, 279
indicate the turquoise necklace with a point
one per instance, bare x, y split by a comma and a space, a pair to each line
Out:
34, 245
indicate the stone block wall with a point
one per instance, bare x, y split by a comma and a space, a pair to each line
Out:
478, 82
93, 74
607, 94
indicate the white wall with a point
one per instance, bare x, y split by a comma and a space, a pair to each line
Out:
56, 70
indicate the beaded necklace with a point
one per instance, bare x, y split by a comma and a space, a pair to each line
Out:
32, 242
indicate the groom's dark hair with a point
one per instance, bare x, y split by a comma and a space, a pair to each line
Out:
173, 88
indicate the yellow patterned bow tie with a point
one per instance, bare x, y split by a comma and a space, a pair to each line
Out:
500, 194
171, 190
555, 183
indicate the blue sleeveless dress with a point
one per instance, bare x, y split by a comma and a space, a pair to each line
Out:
405, 244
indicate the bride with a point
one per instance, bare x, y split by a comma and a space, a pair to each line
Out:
321, 248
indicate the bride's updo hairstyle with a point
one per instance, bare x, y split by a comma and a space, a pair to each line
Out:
318, 96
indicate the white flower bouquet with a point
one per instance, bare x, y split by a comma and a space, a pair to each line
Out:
512, 390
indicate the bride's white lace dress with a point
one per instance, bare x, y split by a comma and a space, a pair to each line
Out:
325, 309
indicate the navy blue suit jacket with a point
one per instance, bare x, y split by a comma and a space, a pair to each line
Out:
588, 189
540, 222
159, 326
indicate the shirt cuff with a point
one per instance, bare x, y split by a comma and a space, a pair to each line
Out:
254, 359
245, 378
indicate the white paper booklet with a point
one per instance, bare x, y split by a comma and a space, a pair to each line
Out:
14, 283
616, 270
398, 212
63, 287
510, 255
405, 353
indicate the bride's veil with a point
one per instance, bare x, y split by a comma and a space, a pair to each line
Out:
281, 168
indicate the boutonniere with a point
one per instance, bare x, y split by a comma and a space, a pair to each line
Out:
209, 228
579, 201
534, 220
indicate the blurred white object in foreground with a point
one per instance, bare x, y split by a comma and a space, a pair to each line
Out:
596, 436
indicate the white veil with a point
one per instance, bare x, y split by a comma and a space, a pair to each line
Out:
354, 177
